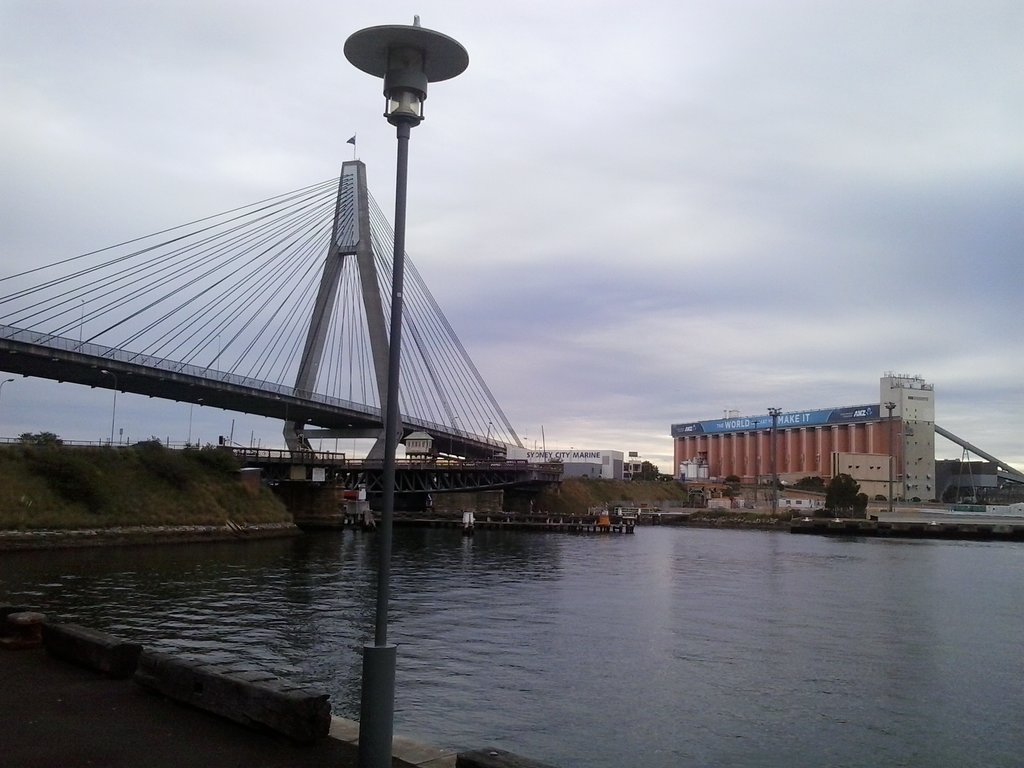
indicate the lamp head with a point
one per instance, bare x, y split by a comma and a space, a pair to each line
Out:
407, 57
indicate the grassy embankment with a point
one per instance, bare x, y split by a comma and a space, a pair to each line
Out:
576, 496
60, 488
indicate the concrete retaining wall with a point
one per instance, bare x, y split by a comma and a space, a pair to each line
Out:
240, 693
91, 648
495, 758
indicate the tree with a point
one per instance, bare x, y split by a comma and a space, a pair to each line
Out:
843, 497
648, 471
810, 483
40, 438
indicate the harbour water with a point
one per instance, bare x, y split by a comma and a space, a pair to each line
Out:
671, 647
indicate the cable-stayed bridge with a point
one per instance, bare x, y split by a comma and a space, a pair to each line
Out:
277, 308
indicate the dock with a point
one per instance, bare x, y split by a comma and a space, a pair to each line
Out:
579, 524
1010, 529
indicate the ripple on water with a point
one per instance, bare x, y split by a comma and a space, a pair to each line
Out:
686, 647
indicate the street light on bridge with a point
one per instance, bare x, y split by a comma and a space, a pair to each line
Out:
407, 57
113, 409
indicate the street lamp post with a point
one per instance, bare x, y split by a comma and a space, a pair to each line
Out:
113, 409
889, 407
407, 57
5, 381
188, 441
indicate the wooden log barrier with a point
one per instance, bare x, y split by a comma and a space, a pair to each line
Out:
495, 758
251, 697
91, 648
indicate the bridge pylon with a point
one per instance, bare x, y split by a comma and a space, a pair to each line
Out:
350, 238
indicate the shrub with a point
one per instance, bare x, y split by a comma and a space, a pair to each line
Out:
40, 438
163, 463
213, 457
71, 474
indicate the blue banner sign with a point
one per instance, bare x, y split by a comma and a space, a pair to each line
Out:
846, 415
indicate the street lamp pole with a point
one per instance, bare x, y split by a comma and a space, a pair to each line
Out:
5, 381
407, 57
113, 409
889, 407
188, 442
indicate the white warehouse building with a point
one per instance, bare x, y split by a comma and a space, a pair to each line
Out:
576, 462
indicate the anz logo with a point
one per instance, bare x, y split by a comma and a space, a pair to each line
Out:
860, 412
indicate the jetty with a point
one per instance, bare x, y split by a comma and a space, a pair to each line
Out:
984, 529
594, 522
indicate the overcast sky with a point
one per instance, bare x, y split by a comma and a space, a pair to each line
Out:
634, 214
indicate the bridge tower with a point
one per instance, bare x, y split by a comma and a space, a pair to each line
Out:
350, 238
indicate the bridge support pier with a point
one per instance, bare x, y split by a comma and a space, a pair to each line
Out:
481, 502
313, 505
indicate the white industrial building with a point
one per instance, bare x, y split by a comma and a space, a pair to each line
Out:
576, 462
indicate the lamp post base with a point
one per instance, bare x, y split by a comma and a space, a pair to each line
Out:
377, 706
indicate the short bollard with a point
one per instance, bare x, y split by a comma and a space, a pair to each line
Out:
25, 630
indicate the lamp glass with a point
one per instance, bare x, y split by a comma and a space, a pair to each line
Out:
403, 105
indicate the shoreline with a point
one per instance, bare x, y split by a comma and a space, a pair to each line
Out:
733, 524
141, 535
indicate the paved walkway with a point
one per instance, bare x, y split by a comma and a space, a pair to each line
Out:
55, 714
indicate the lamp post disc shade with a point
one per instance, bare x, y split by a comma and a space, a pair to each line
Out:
443, 57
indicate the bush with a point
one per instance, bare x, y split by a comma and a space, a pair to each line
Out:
165, 464
40, 438
810, 483
70, 474
213, 457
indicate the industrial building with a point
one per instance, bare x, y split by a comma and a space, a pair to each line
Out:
857, 440
604, 465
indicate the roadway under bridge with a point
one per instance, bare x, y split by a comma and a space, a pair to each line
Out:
412, 476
